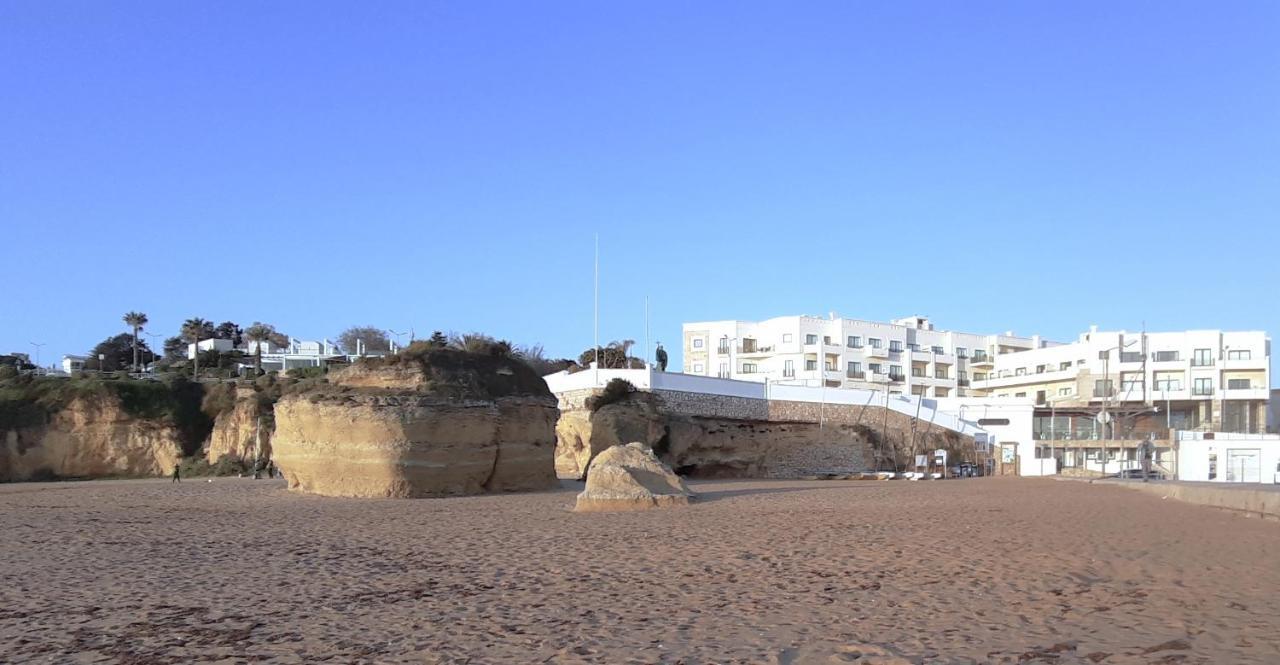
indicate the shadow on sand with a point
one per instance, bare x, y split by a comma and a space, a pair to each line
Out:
707, 494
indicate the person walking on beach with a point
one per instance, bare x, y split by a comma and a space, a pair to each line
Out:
177, 474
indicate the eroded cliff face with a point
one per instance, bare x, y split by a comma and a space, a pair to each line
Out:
419, 431
244, 432
790, 444
91, 437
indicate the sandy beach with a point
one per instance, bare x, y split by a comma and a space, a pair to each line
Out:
974, 571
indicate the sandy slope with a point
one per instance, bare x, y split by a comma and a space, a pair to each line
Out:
758, 572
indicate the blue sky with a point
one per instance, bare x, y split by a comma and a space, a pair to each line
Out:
1038, 167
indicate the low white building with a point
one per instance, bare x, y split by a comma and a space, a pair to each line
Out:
219, 345
1229, 458
71, 363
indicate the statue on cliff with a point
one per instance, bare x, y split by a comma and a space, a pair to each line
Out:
661, 355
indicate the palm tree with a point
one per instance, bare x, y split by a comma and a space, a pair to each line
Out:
135, 320
192, 330
259, 333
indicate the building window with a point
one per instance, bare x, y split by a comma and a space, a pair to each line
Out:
1202, 387
1062, 367
810, 339
939, 350
810, 365
1102, 387
875, 368
789, 368
724, 346
962, 352
830, 363
940, 373
698, 368
979, 376
987, 422
917, 371
1021, 371
895, 346
1039, 369
786, 338
855, 342
1131, 381
1064, 391
912, 346
724, 371
826, 339
895, 373
855, 370
1238, 384
1080, 362
1168, 383
1131, 356
697, 343
1166, 356
1202, 358
749, 368
874, 342
1244, 354
1019, 394
1103, 355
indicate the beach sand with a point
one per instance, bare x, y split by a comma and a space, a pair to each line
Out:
971, 571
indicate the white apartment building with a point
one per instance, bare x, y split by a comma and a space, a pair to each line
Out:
1192, 380
906, 356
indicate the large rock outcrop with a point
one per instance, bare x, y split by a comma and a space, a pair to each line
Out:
630, 477
581, 434
92, 436
244, 432
426, 423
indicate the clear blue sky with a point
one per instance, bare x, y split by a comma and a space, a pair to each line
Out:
1029, 166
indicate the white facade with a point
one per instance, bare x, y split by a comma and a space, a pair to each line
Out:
1200, 379
72, 364
1229, 458
219, 345
906, 356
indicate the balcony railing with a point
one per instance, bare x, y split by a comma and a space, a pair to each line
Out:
980, 358
748, 350
723, 350
897, 377
962, 383
856, 375
1201, 391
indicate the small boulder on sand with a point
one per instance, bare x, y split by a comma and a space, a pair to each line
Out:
631, 477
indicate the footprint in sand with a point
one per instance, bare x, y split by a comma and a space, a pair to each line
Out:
841, 654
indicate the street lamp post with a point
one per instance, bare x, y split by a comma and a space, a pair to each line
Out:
398, 335
38, 345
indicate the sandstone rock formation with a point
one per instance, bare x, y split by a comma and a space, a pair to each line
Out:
631, 477
90, 437
581, 434
437, 423
244, 432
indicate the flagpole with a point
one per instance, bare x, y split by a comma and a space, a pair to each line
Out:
597, 311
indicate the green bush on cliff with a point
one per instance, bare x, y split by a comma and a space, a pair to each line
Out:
459, 374
617, 390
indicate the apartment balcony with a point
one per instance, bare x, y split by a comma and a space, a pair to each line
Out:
877, 377
981, 360
857, 376
963, 383
752, 350
722, 350
1202, 392
1245, 393
897, 378
875, 352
